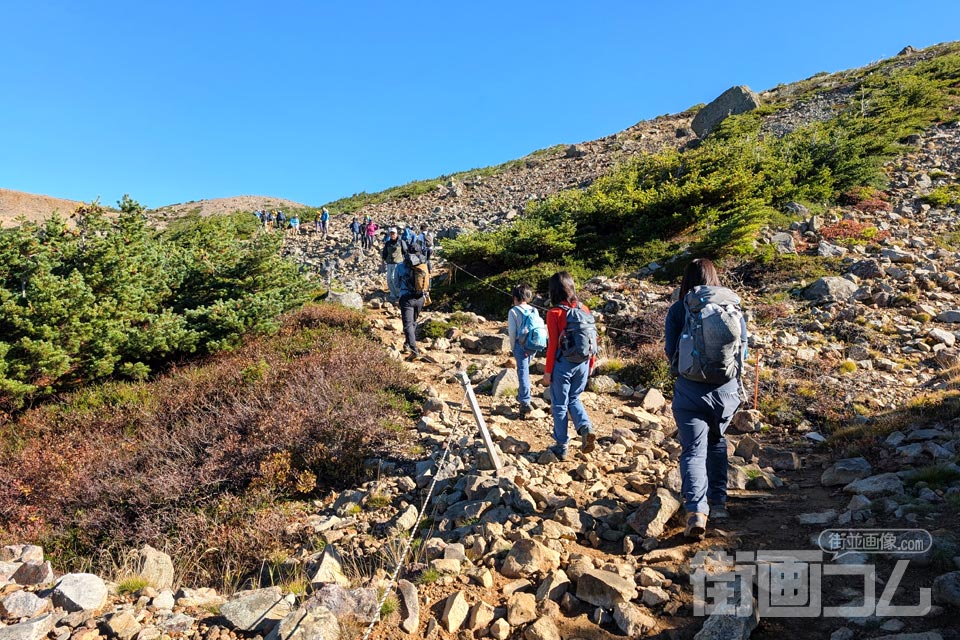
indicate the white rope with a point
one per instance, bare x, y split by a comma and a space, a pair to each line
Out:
485, 283
423, 509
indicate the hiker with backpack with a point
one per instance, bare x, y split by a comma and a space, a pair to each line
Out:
571, 355
528, 336
392, 254
413, 283
706, 342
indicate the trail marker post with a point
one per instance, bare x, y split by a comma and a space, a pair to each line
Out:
478, 416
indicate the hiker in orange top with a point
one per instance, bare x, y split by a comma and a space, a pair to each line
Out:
571, 355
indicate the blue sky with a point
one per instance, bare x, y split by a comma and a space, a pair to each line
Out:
179, 101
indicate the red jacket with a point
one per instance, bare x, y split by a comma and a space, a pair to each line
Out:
556, 323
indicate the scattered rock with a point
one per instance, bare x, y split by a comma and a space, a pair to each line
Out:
349, 299
876, 486
330, 568
543, 629
455, 611
521, 608
832, 287
256, 611
80, 592
528, 557
946, 589
310, 622
651, 518
632, 620
35, 629
23, 604
845, 471
411, 602
604, 588
156, 568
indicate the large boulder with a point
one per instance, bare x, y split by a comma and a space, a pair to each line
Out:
156, 568
830, 287
729, 103
256, 611
80, 592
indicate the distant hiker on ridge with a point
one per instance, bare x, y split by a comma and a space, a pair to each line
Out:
356, 230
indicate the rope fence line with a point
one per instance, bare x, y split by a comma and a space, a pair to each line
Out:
509, 294
401, 560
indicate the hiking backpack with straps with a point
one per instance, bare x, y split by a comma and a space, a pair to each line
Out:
711, 346
533, 332
579, 340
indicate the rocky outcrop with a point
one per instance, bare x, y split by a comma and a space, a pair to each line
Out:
731, 102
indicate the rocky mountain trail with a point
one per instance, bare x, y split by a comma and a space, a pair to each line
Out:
854, 313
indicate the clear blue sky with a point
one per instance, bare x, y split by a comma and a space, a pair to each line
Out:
175, 101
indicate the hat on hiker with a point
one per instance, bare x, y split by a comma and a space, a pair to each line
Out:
393, 229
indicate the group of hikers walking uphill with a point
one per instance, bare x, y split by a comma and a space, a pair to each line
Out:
705, 342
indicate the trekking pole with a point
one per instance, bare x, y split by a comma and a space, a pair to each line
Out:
756, 381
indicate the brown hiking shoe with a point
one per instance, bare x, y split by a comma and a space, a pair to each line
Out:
589, 441
696, 526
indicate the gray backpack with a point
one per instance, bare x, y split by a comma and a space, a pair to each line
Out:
579, 340
711, 345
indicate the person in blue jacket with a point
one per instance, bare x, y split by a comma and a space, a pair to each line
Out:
703, 412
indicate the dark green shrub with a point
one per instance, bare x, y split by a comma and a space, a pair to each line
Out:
113, 297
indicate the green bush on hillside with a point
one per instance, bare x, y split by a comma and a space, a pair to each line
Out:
712, 199
111, 296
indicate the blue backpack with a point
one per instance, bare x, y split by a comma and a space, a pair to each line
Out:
533, 332
579, 340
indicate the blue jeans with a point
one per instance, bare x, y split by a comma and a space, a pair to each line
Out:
703, 413
392, 283
567, 382
523, 373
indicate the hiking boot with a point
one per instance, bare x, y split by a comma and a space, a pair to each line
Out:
696, 526
525, 410
719, 512
559, 452
589, 440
